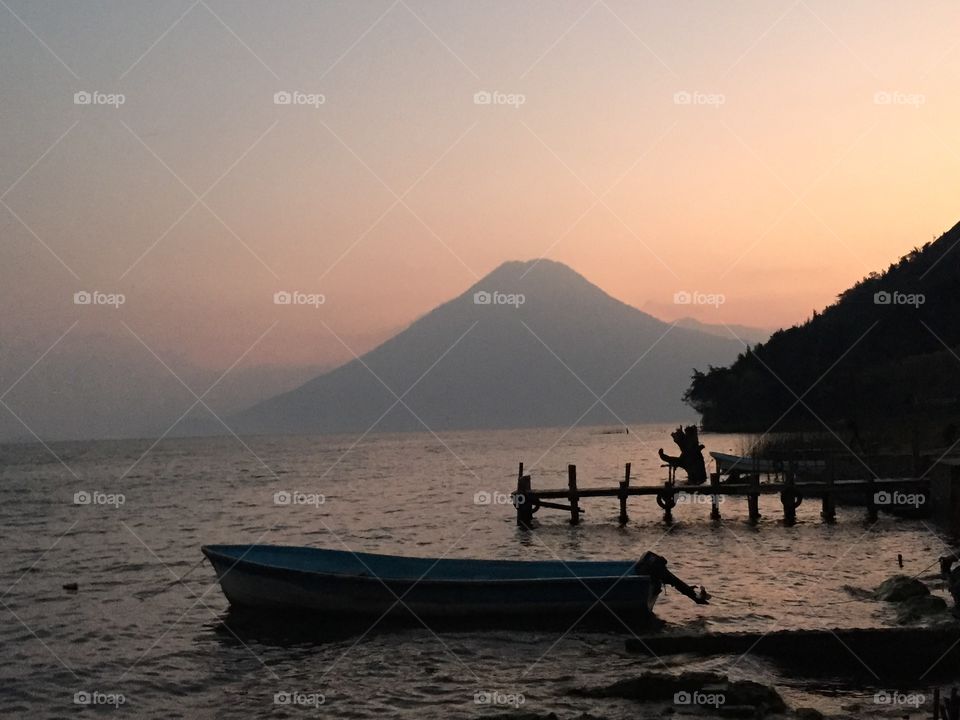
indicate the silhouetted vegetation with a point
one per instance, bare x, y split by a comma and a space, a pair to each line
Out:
861, 364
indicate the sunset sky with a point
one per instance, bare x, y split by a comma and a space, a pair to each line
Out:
774, 152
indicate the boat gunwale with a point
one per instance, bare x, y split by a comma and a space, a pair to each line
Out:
421, 580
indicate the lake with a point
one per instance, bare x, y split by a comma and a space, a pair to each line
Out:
122, 519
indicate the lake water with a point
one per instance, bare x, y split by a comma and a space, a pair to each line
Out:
169, 654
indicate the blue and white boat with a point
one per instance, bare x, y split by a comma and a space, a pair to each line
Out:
272, 578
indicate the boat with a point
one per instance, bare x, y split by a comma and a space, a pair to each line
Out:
273, 579
727, 463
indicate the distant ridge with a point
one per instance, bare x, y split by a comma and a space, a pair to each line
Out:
520, 348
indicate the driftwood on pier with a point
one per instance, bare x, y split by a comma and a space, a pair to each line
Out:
690, 457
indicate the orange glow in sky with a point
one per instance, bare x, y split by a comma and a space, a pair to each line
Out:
774, 152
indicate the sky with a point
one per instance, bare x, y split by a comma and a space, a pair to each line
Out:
769, 153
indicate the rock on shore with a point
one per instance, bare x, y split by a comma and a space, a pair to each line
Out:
694, 688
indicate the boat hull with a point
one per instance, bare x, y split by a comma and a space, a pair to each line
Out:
445, 589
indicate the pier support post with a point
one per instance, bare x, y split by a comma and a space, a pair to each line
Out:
715, 498
624, 486
523, 500
829, 512
753, 499
667, 500
573, 495
788, 496
871, 499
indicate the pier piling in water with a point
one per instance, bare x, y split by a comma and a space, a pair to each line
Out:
753, 499
523, 500
829, 509
789, 497
715, 496
572, 495
667, 500
624, 489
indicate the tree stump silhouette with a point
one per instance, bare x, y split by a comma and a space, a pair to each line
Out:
690, 457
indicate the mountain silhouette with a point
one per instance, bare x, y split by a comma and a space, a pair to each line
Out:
531, 344
884, 354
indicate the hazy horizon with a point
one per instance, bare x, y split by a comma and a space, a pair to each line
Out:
123, 410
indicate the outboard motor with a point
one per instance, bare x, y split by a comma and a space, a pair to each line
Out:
656, 567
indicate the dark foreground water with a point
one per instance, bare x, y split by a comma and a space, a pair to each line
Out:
122, 519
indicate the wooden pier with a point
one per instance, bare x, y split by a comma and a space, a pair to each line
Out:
792, 490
